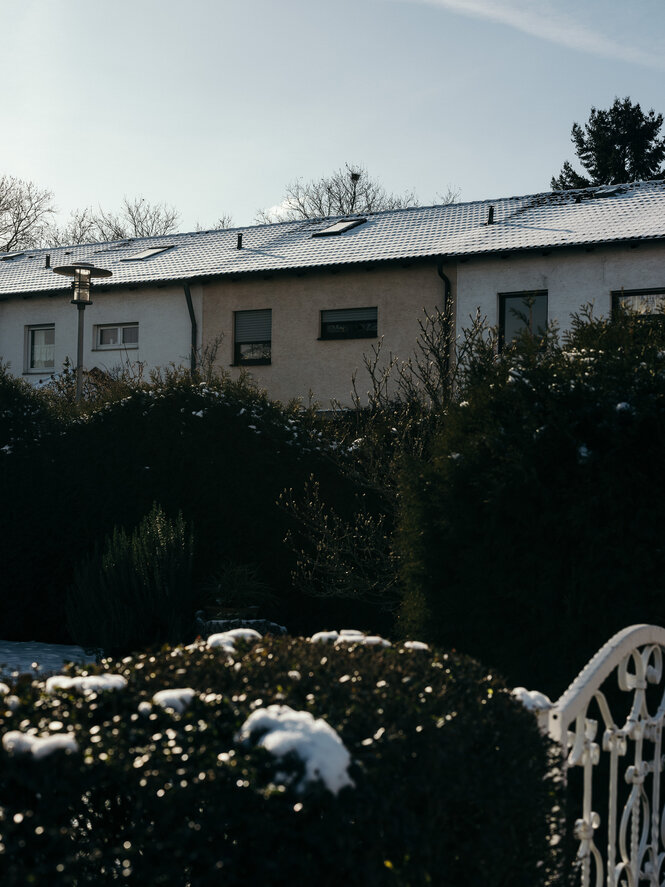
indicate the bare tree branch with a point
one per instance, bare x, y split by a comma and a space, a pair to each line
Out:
224, 221
346, 191
137, 218
25, 212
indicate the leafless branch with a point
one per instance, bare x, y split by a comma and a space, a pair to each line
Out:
345, 192
25, 212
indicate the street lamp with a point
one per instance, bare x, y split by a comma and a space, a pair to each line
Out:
82, 272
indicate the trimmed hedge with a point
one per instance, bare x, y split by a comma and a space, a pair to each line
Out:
219, 453
453, 781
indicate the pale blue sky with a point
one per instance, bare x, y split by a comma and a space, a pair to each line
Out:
212, 106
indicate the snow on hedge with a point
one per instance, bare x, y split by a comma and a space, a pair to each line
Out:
38, 746
87, 684
348, 636
282, 730
227, 639
176, 699
532, 700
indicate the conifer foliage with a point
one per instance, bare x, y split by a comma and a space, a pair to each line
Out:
535, 531
616, 145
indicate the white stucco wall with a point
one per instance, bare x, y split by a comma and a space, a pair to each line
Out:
572, 278
161, 313
301, 362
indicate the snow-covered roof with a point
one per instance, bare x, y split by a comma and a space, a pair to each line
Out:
632, 212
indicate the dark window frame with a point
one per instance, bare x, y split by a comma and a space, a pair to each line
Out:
238, 359
339, 227
522, 294
350, 328
29, 360
650, 291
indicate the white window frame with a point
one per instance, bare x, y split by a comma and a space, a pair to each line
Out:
120, 345
28, 348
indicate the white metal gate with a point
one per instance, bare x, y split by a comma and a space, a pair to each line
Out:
620, 736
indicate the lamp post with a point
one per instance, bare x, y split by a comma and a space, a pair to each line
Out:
82, 272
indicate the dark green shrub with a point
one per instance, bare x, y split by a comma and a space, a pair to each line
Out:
137, 591
220, 453
452, 780
535, 533
24, 414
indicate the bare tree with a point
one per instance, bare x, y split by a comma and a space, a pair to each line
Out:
224, 221
80, 228
25, 213
346, 191
450, 195
137, 218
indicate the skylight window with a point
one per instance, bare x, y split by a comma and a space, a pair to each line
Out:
147, 253
339, 227
609, 190
5, 257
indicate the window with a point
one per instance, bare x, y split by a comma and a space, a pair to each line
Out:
115, 335
648, 303
40, 348
522, 311
339, 227
349, 323
147, 253
252, 337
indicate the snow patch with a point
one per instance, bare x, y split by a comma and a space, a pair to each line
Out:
313, 740
32, 656
371, 640
532, 700
16, 742
87, 684
324, 637
226, 639
415, 645
176, 700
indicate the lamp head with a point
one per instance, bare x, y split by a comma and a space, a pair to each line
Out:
82, 272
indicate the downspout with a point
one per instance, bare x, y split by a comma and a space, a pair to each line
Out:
449, 320
192, 317
446, 285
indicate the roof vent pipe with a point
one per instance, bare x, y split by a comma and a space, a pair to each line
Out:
490, 216
239, 241
47, 262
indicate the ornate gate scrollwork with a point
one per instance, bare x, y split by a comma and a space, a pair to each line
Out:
629, 753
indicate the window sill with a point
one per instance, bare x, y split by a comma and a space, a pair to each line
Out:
347, 338
116, 348
252, 363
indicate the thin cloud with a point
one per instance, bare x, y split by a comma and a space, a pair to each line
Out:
540, 19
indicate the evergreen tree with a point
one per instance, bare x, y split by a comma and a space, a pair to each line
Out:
618, 145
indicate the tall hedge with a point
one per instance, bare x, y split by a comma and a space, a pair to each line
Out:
220, 453
536, 531
452, 782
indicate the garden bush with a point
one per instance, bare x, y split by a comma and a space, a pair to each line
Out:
219, 452
136, 591
448, 781
24, 414
535, 531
